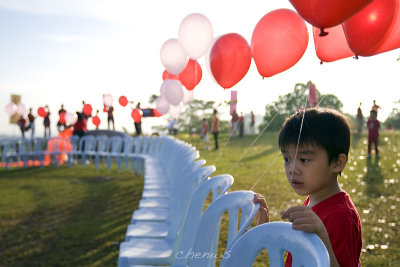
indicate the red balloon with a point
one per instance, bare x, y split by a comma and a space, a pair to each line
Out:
328, 13
230, 59
137, 115
166, 75
96, 121
123, 101
157, 113
189, 77
368, 30
279, 41
62, 118
332, 47
87, 109
104, 108
41, 112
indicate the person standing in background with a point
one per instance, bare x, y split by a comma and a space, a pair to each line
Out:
215, 128
110, 116
360, 119
373, 126
46, 122
241, 125
252, 123
31, 120
61, 124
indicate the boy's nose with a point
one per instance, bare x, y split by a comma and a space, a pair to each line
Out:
293, 170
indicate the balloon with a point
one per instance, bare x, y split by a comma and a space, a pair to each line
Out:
333, 46
11, 109
278, 42
162, 104
174, 111
393, 38
157, 113
189, 77
41, 112
108, 100
167, 75
96, 120
195, 35
21, 109
104, 108
70, 118
326, 14
62, 118
87, 110
230, 59
123, 101
172, 90
187, 96
367, 31
137, 115
173, 56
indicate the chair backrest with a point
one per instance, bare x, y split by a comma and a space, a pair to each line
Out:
127, 145
217, 185
114, 144
24, 146
39, 145
87, 143
307, 249
101, 143
208, 231
137, 144
181, 195
72, 143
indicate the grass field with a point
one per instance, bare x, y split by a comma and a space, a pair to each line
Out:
78, 217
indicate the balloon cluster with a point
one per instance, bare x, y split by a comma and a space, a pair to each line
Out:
179, 57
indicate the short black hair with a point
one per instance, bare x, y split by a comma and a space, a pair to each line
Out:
324, 127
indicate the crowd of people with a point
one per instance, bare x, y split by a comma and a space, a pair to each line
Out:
79, 127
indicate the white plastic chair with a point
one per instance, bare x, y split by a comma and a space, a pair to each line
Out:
114, 151
147, 251
101, 146
157, 222
209, 227
25, 151
87, 146
307, 249
8, 152
73, 141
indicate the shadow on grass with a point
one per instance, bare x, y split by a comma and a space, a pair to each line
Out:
373, 178
85, 230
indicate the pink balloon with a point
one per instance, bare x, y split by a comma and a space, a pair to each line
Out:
173, 56
108, 100
11, 109
279, 41
230, 59
21, 109
162, 104
333, 46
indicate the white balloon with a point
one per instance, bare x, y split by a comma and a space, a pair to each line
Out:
174, 111
21, 109
173, 56
173, 91
187, 96
11, 109
195, 35
162, 104
70, 118
108, 100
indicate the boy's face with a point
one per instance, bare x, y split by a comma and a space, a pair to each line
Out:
310, 173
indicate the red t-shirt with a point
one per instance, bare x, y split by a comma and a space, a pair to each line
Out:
343, 225
80, 125
373, 128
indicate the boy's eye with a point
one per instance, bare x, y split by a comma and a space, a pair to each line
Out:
304, 160
285, 159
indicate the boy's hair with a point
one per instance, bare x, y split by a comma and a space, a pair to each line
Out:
373, 112
322, 127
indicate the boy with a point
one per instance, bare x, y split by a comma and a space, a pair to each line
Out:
373, 126
312, 168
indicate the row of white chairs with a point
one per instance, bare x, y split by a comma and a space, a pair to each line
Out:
89, 148
174, 227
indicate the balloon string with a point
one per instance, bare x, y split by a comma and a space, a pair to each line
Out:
265, 171
254, 141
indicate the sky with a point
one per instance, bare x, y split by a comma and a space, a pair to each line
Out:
62, 52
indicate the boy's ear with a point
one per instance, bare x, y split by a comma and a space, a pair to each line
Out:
339, 163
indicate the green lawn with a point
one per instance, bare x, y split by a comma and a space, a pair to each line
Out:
78, 217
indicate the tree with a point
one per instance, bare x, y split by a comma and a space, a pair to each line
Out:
190, 120
394, 118
286, 105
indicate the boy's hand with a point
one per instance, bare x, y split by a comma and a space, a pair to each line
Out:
263, 211
305, 219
